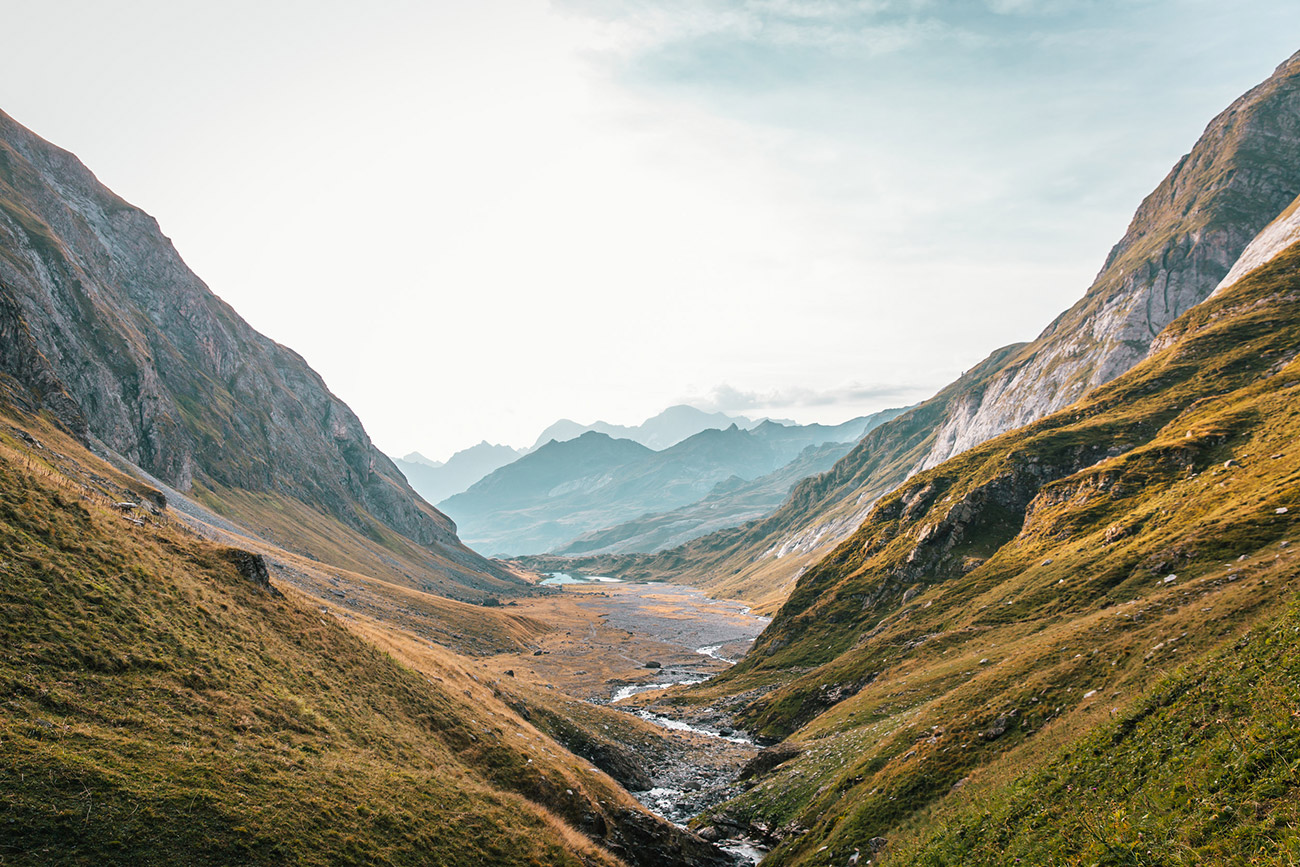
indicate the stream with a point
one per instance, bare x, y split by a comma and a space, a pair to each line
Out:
678, 800
671, 635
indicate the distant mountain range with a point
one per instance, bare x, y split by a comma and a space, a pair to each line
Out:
668, 428
569, 488
436, 481
417, 458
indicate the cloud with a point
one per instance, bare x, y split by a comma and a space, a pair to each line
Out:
726, 398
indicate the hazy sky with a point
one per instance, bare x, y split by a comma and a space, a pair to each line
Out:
476, 217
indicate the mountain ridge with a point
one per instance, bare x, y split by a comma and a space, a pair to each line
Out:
1183, 240
660, 431
436, 483
108, 329
558, 493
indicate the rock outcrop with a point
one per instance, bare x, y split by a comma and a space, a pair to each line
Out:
1276, 237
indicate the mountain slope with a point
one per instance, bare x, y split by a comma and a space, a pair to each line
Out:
1228, 797
996, 608
1182, 241
107, 329
164, 704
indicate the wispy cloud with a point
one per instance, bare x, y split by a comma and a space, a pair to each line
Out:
726, 398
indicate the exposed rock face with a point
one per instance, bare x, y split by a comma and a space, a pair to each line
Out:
105, 326
252, 567
1243, 172
1276, 237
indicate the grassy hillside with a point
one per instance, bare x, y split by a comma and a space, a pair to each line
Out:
1006, 603
161, 707
1201, 770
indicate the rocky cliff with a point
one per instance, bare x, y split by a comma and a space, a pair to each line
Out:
1187, 233
106, 328
1182, 241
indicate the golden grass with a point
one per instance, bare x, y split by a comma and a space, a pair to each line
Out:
162, 709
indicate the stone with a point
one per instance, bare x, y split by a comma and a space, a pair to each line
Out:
252, 567
999, 727
769, 758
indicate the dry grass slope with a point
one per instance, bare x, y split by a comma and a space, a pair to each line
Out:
161, 708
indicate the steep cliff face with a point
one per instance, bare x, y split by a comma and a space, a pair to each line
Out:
107, 329
1242, 172
1182, 241
1276, 237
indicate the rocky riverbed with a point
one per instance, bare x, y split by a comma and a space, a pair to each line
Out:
627, 646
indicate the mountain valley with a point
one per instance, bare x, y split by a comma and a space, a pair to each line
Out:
1047, 616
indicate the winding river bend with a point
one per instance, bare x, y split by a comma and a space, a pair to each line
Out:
715, 632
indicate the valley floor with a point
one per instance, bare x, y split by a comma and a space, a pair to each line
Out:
625, 645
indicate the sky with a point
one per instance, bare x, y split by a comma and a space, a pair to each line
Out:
476, 217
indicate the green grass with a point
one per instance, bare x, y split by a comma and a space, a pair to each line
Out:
1203, 770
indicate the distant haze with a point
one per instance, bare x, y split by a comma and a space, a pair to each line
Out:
475, 219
